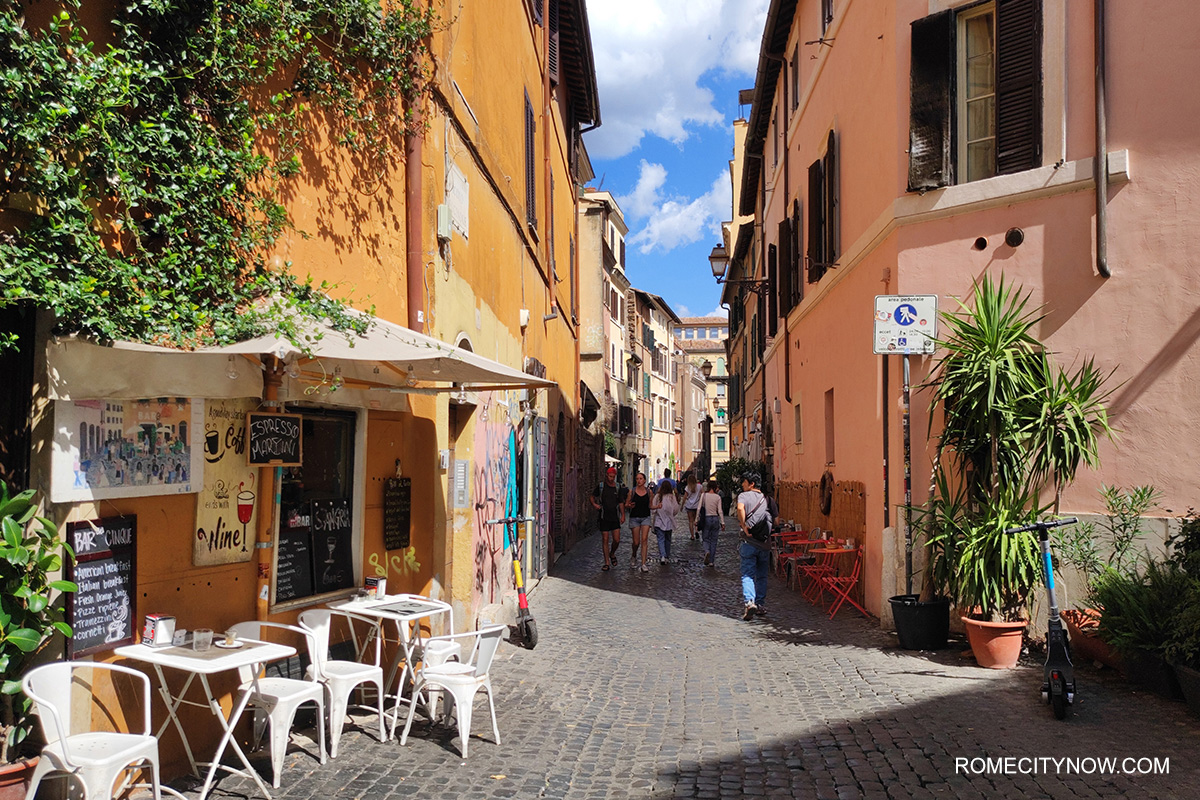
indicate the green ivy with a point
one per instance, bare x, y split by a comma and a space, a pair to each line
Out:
144, 167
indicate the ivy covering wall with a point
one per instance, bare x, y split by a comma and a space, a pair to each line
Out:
143, 163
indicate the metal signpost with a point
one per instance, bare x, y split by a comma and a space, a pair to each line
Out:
906, 324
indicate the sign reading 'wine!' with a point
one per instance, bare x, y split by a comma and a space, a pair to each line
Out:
274, 440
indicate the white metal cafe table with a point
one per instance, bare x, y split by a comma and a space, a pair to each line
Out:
202, 664
407, 611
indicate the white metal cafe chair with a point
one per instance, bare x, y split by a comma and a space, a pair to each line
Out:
94, 758
341, 678
462, 680
276, 699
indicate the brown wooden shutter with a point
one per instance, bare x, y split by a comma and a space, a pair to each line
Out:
797, 264
931, 99
816, 225
552, 44
530, 164
1018, 85
772, 289
831, 200
785, 269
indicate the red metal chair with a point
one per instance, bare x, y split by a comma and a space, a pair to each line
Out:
823, 566
841, 586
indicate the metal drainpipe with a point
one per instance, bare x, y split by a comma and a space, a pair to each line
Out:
269, 486
1100, 168
413, 228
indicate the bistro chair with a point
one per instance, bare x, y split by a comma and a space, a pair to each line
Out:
276, 699
462, 680
94, 758
840, 586
341, 678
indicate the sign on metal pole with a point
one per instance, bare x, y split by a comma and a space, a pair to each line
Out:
905, 324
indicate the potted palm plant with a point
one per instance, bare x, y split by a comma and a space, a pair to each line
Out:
1012, 423
30, 556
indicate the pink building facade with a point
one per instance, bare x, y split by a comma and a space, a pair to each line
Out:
911, 147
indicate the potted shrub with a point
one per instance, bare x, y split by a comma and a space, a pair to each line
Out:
923, 620
30, 553
1183, 649
1012, 423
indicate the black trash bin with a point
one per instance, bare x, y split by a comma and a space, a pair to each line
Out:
921, 625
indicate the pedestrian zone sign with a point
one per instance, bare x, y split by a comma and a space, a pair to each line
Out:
905, 324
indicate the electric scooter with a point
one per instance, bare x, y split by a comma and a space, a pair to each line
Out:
1058, 681
524, 633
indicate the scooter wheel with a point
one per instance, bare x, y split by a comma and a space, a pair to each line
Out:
1058, 699
531, 634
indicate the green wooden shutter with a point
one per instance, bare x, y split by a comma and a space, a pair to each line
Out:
772, 292
830, 170
816, 225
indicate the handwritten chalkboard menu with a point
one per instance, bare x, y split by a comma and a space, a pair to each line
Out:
397, 513
101, 612
333, 555
273, 439
293, 565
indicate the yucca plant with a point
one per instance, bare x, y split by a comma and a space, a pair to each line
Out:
30, 553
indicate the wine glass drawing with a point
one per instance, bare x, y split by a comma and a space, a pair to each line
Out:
245, 510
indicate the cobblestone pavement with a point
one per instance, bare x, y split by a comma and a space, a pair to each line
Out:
651, 686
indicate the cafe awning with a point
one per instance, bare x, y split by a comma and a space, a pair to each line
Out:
387, 359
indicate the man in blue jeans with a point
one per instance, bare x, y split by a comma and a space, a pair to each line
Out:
754, 517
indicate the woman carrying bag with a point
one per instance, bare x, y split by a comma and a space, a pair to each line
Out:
709, 514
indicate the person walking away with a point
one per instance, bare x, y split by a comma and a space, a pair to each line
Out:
665, 505
755, 552
710, 503
638, 505
609, 500
691, 503
666, 477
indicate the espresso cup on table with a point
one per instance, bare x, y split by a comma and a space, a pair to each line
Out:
231, 637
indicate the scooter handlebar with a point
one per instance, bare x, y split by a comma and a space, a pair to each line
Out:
1045, 524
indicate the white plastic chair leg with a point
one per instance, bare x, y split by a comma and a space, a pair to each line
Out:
462, 710
492, 708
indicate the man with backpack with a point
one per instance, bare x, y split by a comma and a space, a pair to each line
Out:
609, 500
754, 516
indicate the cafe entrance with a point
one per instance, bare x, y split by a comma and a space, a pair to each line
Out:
315, 546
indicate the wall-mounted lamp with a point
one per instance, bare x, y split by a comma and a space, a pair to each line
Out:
1013, 237
410, 380
291, 367
231, 369
706, 369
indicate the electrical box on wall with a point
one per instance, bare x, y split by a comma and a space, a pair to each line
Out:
443, 459
443, 223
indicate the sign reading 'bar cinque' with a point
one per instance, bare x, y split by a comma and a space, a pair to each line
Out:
273, 439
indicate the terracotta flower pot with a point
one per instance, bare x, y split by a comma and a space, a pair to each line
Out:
14, 778
1086, 644
996, 645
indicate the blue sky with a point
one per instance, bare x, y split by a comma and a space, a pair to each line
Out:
669, 72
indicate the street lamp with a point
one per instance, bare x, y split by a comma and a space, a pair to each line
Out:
706, 369
718, 259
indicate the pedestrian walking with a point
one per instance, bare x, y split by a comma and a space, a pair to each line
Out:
666, 477
710, 526
691, 503
638, 505
754, 550
609, 500
665, 505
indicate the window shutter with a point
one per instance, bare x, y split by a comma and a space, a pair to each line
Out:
530, 161
1018, 85
831, 200
537, 11
772, 291
931, 97
816, 227
786, 263
797, 262
552, 43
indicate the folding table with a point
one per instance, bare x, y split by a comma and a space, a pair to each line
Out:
202, 664
406, 611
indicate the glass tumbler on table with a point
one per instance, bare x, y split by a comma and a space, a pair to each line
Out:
202, 639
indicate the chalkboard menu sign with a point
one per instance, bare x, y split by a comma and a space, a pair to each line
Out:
333, 555
273, 440
293, 565
397, 513
101, 612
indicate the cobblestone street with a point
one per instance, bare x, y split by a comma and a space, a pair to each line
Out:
652, 686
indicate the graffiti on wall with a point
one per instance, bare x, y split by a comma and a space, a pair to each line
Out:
492, 462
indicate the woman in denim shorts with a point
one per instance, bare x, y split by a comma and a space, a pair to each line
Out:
639, 520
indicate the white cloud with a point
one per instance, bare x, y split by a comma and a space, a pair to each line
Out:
683, 311
650, 56
719, 311
673, 221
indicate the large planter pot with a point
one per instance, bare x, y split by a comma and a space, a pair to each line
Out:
1189, 682
1154, 674
921, 626
1086, 644
996, 645
14, 778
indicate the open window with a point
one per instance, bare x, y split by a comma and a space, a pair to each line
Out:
975, 93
